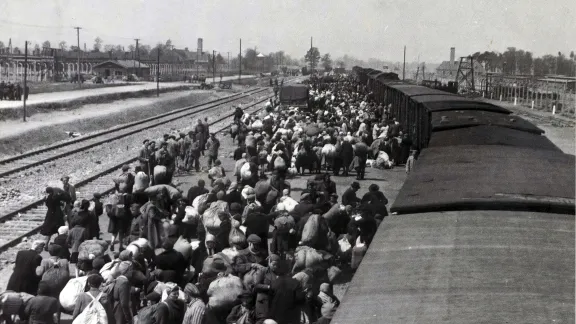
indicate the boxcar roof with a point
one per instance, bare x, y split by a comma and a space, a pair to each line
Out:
387, 76
464, 118
488, 177
452, 102
490, 135
465, 267
374, 72
416, 90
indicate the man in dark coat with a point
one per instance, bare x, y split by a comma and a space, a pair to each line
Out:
286, 296
196, 191
171, 259
346, 155
349, 197
23, 278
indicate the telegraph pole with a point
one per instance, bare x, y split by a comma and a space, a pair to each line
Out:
228, 61
138, 55
25, 75
404, 65
158, 75
78, 71
240, 62
213, 66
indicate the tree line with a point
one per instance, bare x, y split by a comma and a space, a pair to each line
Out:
517, 61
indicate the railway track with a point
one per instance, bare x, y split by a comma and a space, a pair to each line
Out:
26, 220
18, 163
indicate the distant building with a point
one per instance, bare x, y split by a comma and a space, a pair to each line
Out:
447, 70
119, 68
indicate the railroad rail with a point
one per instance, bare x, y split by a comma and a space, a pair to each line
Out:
28, 219
44, 155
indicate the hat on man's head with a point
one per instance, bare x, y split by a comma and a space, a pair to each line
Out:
355, 185
253, 238
125, 167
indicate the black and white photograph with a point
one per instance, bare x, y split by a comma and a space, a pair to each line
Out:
287, 161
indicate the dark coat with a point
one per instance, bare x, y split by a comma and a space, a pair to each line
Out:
171, 260
347, 152
23, 278
194, 192
349, 198
286, 298
54, 215
170, 311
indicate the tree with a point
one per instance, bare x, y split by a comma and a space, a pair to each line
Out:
249, 58
312, 57
144, 49
168, 44
131, 48
36, 48
220, 59
62, 45
97, 44
341, 64
46, 44
108, 48
16, 50
327, 62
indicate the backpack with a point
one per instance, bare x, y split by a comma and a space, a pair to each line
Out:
147, 315
120, 208
94, 313
56, 276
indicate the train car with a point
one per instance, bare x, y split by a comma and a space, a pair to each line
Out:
479, 234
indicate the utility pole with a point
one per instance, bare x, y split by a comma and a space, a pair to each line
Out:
240, 62
158, 75
78, 70
25, 79
213, 66
228, 61
404, 65
138, 55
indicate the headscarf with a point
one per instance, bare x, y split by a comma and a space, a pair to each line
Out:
63, 230
38, 243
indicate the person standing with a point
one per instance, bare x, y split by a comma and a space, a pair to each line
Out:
346, 155
54, 215
43, 308
71, 191
24, 278
200, 134
361, 153
212, 145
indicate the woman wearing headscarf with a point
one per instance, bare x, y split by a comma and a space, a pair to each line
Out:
171, 311
24, 278
43, 308
152, 215
58, 267
62, 240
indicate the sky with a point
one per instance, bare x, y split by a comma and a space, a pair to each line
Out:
362, 28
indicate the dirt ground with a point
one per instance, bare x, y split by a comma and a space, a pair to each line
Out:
42, 87
48, 128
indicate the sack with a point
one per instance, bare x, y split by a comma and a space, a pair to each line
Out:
224, 291
279, 163
119, 204
344, 248
257, 125
160, 172
199, 201
207, 267
210, 217
73, 289
306, 257
332, 213
182, 246
289, 203
173, 193
284, 223
329, 150
261, 189
109, 270
147, 315
141, 182
310, 231
191, 216
358, 252
247, 191
215, 172
236, 237
245, 172
333, 272
57, 275
238, 166
254, 277
96, 247
94, 313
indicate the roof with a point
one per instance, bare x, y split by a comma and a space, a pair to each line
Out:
465, 118
126, 64
465, 267
455, 102
488, 177
490, 135
391, 76
416, 90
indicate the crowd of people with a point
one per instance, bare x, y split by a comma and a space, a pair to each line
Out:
11, 91
236, 247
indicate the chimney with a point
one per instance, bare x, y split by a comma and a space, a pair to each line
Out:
452, 56
199, 49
